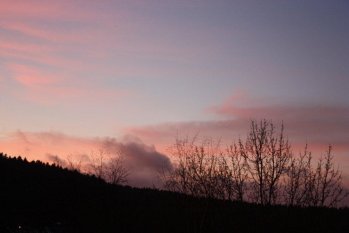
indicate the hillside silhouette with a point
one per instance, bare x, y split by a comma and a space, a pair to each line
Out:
39, 197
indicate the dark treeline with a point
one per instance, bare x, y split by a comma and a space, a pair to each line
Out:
38, 197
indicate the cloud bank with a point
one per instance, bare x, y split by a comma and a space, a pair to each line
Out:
317, 125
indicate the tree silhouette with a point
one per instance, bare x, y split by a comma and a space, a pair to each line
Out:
233, 173
326, 187
196, 171
115, 171
109, 166
298, 180
260, 169
268, 154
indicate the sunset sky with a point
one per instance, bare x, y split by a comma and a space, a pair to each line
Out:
75, 75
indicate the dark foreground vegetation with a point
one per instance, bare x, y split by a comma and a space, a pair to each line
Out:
261, 169
38, 197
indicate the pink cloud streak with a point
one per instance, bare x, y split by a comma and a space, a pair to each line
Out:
35, 32
43, 87
38, 9
30, 77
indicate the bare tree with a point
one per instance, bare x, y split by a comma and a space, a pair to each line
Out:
195, 171
321, 185
75, 162
298, 180
233, 173
259, 162
326, 187
179, 179
260, 169
204, 170
268, 154
115, 171
109, 166
97, 163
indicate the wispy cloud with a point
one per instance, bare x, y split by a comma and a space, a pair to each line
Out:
50, 48
307, 120
31, 77
27, 30
45, 87
37, 9
304, 122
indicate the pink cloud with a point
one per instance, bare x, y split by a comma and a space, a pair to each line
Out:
38, 9
320, 122
26, 8
315, 124
74, 35
31, 31
30, 76
44, 87
14, 46
42, 55
164, 135
61, 34
71, 95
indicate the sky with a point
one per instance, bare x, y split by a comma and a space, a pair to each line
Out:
78, 75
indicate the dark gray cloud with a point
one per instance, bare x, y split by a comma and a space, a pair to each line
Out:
144, 161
